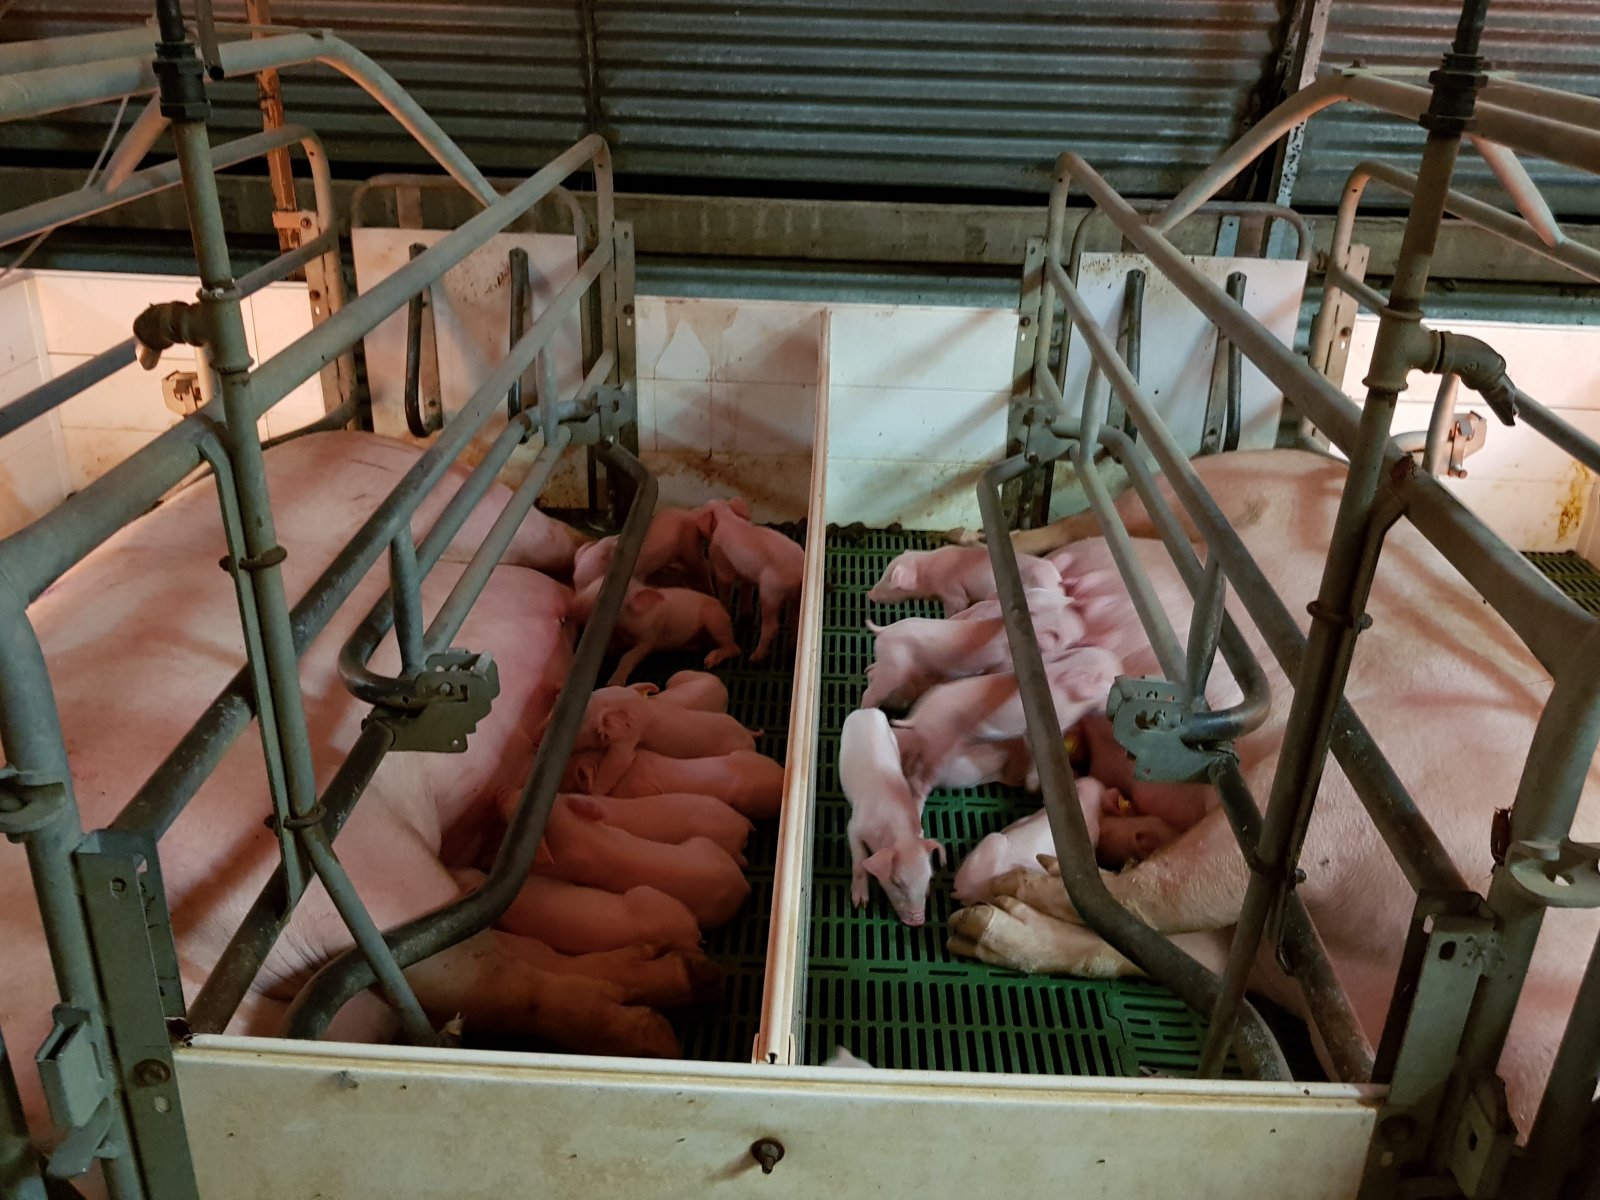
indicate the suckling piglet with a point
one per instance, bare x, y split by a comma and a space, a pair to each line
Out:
591, 561
973, 764
988, 708
911, 656
1020, 844
579, 847
957, 576
585, 920
749, 782
620, 720
885, 828
757, 555
675, 818
1040, 602
662, 619
698, 690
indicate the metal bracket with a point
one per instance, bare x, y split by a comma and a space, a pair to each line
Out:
1564, 874
443, 703
1447, 953
28, 805
1148, 717
136, 961
181, 392
1021, 498
1468, 434
424, 407
1483, 1140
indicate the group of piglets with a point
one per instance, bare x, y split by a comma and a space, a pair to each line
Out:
690, 561
964, 726
644, 848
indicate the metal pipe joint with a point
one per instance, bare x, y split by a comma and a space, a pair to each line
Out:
170, 323
1479, 366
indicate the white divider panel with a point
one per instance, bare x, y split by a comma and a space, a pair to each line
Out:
1530, 493
783, 993
1179, 345
270, 1119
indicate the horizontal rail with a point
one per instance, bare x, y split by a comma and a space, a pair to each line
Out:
53, 393
343, 978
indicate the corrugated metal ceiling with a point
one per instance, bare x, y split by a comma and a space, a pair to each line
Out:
945, 93
812, 94
1555, 43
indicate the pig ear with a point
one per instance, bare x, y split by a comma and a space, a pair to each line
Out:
645, 689
584, 808
740, 506
899, 575
643, 600
881, 864
1146, 843
934, 848
616, 724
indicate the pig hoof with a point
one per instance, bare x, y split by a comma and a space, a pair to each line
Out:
1044, 892
858, 895
963, 537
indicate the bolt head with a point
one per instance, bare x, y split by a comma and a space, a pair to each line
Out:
151, 1072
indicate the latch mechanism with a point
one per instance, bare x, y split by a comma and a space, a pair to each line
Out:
1148, 718
443, 703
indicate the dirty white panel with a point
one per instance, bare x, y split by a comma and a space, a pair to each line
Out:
1179, 345
727, 400
917, 411
1528, 492
401, 1124
33, 468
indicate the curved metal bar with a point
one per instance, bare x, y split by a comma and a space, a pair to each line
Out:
86, 202
1524, 193
136, 143
37, 93
1254, 1045
1505, 123
394, 179
346, 976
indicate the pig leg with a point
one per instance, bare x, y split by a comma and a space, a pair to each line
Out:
724, 579
720, 627
1009, 933
629, 663
771, 617
860, 891
1193, 885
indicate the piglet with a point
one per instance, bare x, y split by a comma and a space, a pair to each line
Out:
1172, 806
586, 920
1041, 601
911, 656
748, 782
988, 708
662, 619
620, 720
676, 542
579, 847
675, 818
757, 555
885, 828
957, 576
1020, 844
973, 764
699, 690
591, 562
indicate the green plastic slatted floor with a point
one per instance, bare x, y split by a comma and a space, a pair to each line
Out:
894, 995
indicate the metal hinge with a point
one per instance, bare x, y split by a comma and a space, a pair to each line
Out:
1564, 874
1148, 717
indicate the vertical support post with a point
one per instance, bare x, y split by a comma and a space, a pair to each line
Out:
1308, 33
269, 94
520, 287
1021, 498
1436, 455
405, 594
19, 1162
1339, 612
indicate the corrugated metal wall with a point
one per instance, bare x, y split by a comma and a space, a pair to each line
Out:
1554, 43
948, 94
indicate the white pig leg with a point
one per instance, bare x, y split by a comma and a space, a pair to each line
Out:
720, 627
1009, 933
1194, 885
771, 617
629, 662
860, 891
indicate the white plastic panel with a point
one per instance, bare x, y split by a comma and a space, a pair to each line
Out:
1179, 345
33, 475
1531, 494
278, 1119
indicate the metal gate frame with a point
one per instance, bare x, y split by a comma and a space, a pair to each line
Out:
1445, 1122
107, 1065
